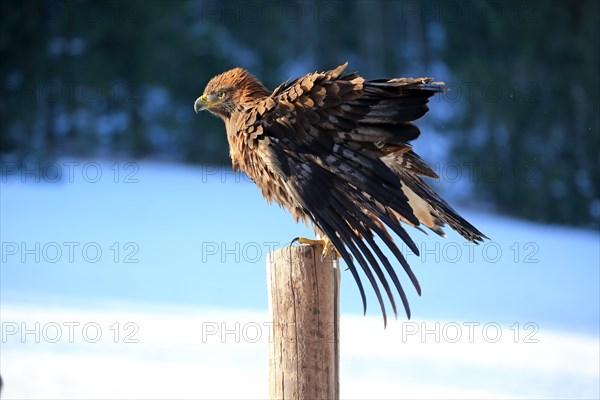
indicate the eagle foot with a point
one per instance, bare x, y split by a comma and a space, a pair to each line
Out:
328, 247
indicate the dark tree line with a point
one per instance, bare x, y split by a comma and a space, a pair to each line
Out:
118, 79
540, 121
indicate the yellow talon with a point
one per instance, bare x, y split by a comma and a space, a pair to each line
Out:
328, 247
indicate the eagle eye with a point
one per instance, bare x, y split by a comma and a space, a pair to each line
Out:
221, 94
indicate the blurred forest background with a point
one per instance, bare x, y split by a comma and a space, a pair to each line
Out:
119, 78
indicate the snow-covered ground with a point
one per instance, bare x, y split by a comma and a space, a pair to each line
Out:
147, 280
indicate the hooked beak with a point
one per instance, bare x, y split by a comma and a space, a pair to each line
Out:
205, 102
200, 104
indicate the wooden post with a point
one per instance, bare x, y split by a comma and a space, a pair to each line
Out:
304, 305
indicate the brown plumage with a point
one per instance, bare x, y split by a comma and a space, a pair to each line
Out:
334, 150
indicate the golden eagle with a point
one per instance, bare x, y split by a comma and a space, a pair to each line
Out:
334, 150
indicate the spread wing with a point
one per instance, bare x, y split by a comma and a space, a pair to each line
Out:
318, 147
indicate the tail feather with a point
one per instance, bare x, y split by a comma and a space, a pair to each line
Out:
428, 206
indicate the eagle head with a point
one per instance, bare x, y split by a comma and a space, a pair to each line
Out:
228, 92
